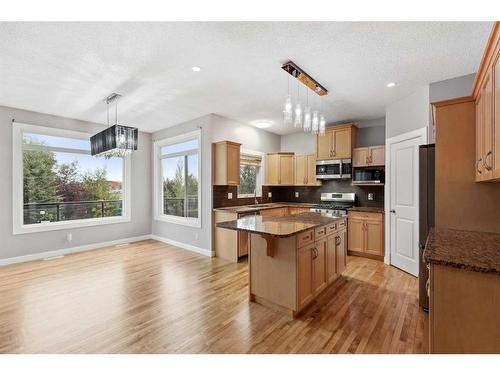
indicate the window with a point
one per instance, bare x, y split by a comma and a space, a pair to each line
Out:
58, 184
177, 181
250, 174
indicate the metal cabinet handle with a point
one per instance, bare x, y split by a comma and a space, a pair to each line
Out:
485, 161
478, 164
427, 285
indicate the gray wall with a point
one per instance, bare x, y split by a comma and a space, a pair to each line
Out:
370, 133
214, 128
451, 88
408, 114
24, 244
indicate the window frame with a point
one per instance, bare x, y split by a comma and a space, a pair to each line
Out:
259, 176
158, 214
18, 226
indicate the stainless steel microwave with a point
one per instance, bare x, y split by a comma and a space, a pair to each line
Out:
333, 169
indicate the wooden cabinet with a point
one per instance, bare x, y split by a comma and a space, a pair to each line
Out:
305, 170
280, 168
341, 251
366, 233
336, 143
331, 258
368, 156
282, 211
486, 93
304, 275
319, 266
226, 170
297, 210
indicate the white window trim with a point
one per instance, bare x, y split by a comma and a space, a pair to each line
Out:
18, 226
261, 173
158, 189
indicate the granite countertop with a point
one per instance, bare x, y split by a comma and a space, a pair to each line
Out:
262, 206
367, 209
279, 226
473, 251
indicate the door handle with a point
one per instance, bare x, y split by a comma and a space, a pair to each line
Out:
393, 211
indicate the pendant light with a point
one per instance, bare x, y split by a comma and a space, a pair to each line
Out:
315, 122
297, 121
116, 140
307, 114
288, 107
322, 121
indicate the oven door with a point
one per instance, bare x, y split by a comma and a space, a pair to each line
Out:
328, 169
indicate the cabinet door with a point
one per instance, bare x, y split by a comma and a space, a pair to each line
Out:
242, 243
300, 170
341, 252
311, 169
496, 113
342, 143
356, 234
377, 155
374, 243
304, 276
488, 127
233, 164
360, 157
272, 212
479, 136
324, 145
272, 170
331, 258
286, 169
319, 266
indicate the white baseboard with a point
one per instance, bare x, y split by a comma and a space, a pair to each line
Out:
183, 245
70, 250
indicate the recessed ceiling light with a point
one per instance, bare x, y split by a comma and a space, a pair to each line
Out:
196, 68
391, 84
262, 124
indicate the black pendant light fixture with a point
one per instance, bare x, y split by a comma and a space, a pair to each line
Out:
116, 140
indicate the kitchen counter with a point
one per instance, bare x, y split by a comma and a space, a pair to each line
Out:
262, 206
279, 226
367, 209
473, 251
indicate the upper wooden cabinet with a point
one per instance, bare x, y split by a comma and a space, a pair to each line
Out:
368, 156
280, 168
226, 170
336, 143
305, 170
486, 93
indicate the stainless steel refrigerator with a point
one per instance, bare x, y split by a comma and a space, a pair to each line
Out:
426, 211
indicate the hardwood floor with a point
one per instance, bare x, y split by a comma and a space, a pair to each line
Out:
149, 297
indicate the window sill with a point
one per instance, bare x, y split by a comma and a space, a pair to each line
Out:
33, 228
188, 222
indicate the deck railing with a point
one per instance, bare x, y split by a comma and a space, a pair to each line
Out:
181, 206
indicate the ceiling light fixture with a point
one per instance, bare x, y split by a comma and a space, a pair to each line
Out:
116, 140
196, 69
262, 124
391, 84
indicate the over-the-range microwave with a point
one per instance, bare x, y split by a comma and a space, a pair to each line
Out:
333, 169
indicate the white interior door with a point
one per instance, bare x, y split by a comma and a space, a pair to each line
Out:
403, 215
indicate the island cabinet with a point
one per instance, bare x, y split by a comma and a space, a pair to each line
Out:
336, 143
280, 168
298, 268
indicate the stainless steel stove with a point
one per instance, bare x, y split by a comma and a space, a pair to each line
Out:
335, 204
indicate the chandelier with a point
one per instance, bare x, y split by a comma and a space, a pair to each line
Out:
116, 140
310, 120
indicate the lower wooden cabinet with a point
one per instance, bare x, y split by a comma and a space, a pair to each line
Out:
366, 233
282, 211
304, 275
297, 210
331, 258
341, 251
319, 266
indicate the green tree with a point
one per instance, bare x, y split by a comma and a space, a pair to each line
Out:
40, 177
69, 185
248, 178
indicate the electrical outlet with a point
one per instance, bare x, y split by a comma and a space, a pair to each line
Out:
370, 196
229, 195
269, 194
69, 237
296, 194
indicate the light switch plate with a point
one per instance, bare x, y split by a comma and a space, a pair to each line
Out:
229, 195
370, 196
296, 194
269, 194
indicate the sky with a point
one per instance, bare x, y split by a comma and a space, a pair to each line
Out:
169, 165
85, 162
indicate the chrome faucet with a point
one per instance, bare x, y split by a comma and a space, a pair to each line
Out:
255, 201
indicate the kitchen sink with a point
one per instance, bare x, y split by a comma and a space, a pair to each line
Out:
259, 205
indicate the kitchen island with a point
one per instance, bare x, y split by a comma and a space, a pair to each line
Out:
292, 258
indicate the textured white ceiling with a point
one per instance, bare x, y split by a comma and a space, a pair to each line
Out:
67, 69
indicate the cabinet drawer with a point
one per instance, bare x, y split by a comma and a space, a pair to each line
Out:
320, 232
305, 238
366, 215
341, 224
331, 228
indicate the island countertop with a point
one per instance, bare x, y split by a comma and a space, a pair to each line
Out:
473, 251
280, 226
